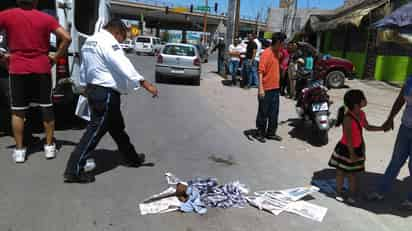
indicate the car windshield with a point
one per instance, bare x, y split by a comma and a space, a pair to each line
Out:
143, 40
179, 50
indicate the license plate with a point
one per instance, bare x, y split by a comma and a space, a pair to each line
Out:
320, 107
178, 71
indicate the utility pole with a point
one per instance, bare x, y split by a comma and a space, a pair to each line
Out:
205, 24
237, 18
257, 24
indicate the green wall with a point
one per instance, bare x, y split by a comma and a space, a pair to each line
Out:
393, 68
358, 59
327, 41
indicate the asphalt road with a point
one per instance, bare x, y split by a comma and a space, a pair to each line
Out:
186, 131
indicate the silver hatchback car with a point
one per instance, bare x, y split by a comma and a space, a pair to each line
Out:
177, 60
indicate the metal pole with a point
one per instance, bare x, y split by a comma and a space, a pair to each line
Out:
237, 18
205, 25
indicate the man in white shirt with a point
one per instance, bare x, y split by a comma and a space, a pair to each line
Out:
106, 73
234, 52
259, 50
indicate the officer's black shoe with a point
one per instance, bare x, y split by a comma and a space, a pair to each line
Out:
273, 137
137, 162
260, 137
82, 178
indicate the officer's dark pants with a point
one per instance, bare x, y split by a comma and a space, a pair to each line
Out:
106, 116
268, 113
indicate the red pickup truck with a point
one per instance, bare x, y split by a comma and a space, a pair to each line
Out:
334, 70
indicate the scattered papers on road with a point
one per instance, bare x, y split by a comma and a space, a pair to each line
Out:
288, 200
201, 193
296, 194
160, 203
308, 210
274, 203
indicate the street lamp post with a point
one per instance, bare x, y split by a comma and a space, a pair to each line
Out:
205, 25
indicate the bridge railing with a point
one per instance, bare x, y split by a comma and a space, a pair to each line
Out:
164, 3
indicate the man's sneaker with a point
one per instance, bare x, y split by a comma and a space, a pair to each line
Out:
50, 151
82, 178
407, 205
19, 156
274, 137
375, 197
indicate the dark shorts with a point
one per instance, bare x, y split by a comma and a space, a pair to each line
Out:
30, 90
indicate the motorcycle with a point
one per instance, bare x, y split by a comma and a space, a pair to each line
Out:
313, 103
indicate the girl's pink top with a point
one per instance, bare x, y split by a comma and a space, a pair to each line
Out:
356, 131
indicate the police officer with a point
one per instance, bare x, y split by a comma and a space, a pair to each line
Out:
106, 73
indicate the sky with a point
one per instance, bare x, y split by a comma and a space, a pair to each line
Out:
252, 7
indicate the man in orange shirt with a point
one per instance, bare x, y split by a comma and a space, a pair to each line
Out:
269, 84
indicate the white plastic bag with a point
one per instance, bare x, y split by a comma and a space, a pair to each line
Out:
82, 109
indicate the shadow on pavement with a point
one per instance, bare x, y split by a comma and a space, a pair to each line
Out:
303, 131
367, 183
107, 160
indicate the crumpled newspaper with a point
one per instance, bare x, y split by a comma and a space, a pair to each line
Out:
165, 205
276, 202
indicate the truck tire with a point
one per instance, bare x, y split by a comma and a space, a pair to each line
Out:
335, 79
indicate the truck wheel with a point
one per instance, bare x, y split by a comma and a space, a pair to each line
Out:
335, 79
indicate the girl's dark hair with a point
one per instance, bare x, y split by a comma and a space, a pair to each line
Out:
351, 99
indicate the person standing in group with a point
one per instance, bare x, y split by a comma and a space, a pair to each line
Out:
250, 61
234, 52
349, 154
268, 93
220, 47
403, 148
295, 54
255, 66
106, 73
284, 62
28, 31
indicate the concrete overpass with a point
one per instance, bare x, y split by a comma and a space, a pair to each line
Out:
155, 17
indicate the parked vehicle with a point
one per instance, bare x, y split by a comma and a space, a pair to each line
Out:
334, 71
127, 45
147, 45
313, 103
177, 60
204, 55
82, 19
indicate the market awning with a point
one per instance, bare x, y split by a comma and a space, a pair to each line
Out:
351, 18
400, 18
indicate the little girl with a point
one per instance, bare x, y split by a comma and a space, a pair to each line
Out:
349, 155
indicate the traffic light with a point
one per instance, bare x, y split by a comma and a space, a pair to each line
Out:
191, 8
167, 10
216, 7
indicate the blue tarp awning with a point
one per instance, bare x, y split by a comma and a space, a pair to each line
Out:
400, 18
